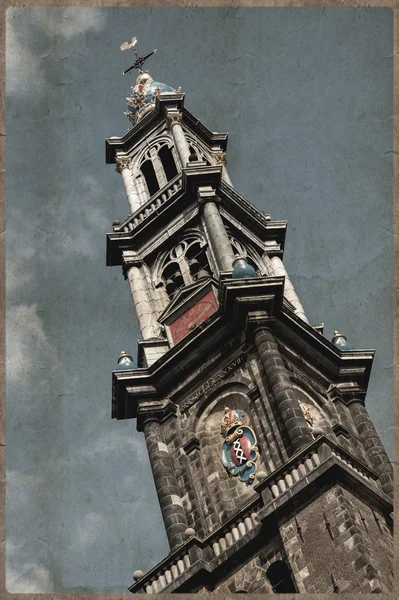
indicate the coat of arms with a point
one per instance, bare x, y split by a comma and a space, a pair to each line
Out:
239, 449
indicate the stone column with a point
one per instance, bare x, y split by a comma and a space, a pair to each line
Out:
158, 168
148, 324
220, 158
165, 482
142, 189
372, 443
123, 167
174, 123
285, 399
278, 269
216, 230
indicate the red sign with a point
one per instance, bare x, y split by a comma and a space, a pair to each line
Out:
194, 316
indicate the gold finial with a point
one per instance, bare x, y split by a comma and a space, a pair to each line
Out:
143, 78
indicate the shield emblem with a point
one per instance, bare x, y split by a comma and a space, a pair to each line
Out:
239, 453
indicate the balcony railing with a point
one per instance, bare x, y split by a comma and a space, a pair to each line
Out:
152, 205
171, 571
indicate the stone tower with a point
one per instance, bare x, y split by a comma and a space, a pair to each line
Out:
269, 473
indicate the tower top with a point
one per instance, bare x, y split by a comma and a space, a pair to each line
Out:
143, 96
144, 93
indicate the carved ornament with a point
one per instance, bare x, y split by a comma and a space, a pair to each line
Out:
173, 119
306, 413
220, 158
239, 448
122, 163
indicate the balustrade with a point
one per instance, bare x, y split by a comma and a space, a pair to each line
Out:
150, 207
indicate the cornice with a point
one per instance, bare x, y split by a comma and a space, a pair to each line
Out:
245, 305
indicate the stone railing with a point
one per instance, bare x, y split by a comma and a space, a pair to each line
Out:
354, 464
301, 465
151, 206
235, 531
170, 571
305, 465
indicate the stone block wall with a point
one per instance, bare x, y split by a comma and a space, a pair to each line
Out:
250, 579
327, 544
209, 494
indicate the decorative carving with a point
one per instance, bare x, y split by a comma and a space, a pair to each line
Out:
239, 449
213, 380
232, 418
220, 158
173, 119
306, 413
121, 163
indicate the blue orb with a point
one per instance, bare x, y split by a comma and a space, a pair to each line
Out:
155, 88
125, 362
341, 342
242, 269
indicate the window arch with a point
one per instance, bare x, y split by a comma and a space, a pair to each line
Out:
158, 165
185, 263
147, 168
168, 162
280, 578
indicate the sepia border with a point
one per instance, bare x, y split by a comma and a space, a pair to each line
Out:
394, 4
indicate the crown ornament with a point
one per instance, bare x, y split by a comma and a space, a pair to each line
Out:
232, 418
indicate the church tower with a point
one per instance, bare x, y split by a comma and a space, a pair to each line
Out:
269, 473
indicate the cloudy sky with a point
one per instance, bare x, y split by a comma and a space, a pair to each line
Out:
306, 96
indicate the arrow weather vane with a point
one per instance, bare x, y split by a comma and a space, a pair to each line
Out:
140, 60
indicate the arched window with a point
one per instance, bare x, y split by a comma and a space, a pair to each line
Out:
148, 171
158, 165
279, 575
168, 162
186, 263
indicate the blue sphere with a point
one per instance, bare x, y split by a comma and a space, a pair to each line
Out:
125, 362
341, 342
242, 269
155, 88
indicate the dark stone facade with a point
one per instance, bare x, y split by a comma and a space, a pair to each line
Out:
334, 538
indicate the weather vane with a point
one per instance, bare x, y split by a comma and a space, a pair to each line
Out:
140, 60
